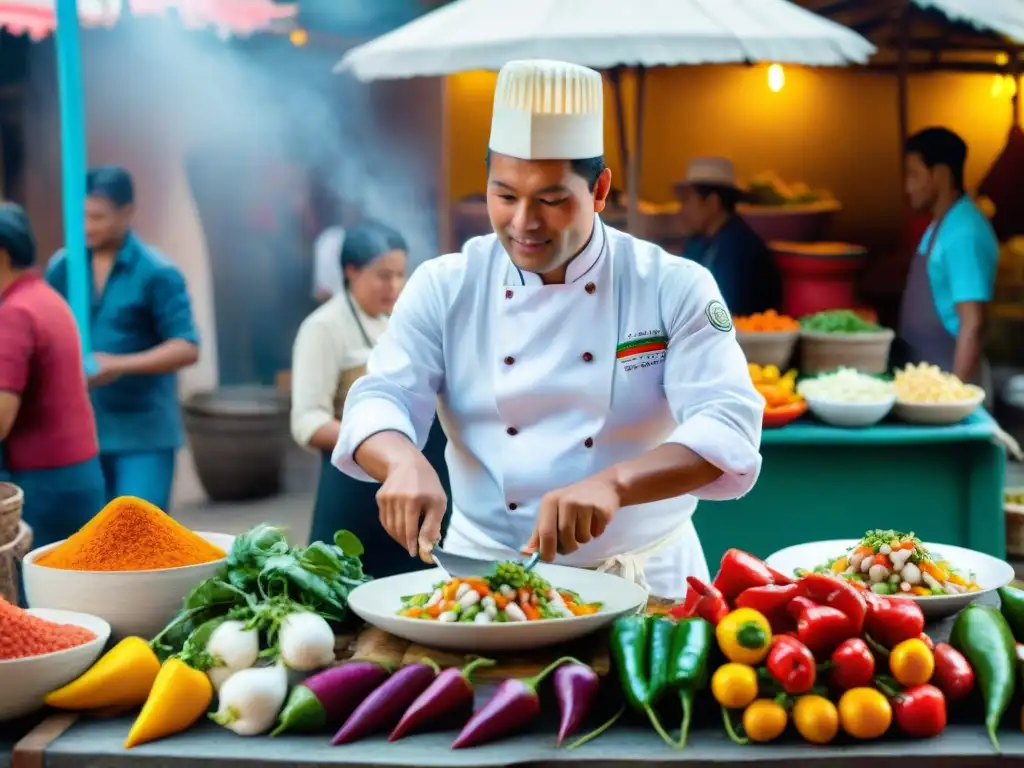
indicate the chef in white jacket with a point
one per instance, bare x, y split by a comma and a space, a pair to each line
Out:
590, 384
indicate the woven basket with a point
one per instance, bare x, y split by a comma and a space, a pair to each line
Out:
10, 554
866, 352
11, 500
1014, 527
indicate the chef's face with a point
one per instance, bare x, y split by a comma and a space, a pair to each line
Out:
921, 182
542, 211
376, 286
105, 223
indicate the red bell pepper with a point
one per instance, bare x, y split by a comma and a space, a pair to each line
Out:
838, 594
791, 663
740, 571
709, 604
771, 602
820, 627
891, 620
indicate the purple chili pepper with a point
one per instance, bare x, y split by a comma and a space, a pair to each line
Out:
382, 709
324, 700
514, 704
576, 687
450, 693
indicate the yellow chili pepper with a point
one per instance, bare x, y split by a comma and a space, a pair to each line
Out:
122, 677
180, 696
744, 636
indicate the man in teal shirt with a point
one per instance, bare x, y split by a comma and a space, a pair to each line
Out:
952, 275
142, 334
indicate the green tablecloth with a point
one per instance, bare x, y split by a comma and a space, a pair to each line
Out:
820, 482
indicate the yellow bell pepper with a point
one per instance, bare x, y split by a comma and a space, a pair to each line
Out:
122, 677
744, 636
180, 696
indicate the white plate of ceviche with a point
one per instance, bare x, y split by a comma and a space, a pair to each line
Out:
508, 611
941, 578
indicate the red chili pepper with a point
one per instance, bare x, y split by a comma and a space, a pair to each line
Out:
780, 578
739, 571
791, 663
853, 664
771, 602
891, 620
820, 627
711, 605
838, 594
953, 673
685, 609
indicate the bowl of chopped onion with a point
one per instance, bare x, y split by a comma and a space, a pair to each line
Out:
925, 394
848, 398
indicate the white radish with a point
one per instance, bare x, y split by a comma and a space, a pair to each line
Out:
448, 617
885, 549
483, 618
911, 574
462, 590
878, 573
306, 641
855, 561
251, 699
930, 580
233, 648
514, 612
470, 598
865, 564
434, 598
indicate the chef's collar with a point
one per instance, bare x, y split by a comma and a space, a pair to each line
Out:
581, 265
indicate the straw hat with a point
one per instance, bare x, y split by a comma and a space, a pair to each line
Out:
713, 172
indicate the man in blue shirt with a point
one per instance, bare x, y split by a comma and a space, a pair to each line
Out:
952, 275
723, 242
142, 334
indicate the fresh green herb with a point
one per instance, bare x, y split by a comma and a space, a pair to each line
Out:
838, 321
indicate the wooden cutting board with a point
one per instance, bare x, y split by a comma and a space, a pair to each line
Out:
373, 644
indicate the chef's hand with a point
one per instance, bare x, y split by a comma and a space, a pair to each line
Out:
412, 504
572, 516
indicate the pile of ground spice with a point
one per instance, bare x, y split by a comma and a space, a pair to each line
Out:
23, 635
130, 534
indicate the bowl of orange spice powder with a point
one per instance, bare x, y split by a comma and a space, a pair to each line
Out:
131, 565
767, 338
42, 650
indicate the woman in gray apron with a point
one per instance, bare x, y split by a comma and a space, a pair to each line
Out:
329, 355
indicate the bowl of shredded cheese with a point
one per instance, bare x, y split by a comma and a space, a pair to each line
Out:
925, 394
848, 398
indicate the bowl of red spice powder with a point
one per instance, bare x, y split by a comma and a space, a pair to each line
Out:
132, 565
42, 650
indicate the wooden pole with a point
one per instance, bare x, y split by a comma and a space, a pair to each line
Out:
445, 233
636, 153
903, 85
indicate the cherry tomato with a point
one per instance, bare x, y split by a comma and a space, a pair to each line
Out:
920, 711
953, 674
853, 664
816, 719
864, 713
764, 720
911, 662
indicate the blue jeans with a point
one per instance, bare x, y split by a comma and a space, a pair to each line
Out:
145, 474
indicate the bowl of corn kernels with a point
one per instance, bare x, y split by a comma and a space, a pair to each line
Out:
925, 394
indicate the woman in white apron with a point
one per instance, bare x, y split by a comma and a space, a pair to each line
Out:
329, 354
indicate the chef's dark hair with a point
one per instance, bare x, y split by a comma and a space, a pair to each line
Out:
940, 146
368, 241
16, 237
589, 168
112, 183
729, 196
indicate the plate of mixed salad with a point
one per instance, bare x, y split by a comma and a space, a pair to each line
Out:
942, 578
511, 609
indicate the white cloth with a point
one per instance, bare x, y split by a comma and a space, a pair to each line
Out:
538, 387
329, 342
327, 272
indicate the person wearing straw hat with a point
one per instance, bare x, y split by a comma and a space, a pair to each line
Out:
590, 384
48, 442
723, 242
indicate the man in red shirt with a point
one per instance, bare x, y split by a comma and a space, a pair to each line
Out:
48, 443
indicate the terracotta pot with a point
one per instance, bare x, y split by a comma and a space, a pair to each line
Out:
239, 438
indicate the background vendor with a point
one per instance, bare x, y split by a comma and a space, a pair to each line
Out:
952, 275
723, 242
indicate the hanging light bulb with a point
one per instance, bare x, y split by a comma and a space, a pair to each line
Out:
776, 78
997, 86
1002, 59
298, 37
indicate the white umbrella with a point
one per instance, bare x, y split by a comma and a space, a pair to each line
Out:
484, 34
1005, 17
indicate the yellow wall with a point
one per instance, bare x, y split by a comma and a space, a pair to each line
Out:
830, 128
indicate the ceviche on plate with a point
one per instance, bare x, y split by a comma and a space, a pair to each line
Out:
893, 563
511, 594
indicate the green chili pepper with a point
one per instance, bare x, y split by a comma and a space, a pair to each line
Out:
1011, 605
628, 645
982, 635
659, 661
692, 642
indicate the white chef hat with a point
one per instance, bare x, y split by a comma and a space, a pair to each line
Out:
548, 110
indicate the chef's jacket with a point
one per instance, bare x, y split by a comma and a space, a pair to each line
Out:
540, 386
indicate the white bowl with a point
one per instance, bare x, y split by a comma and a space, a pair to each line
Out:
840, 414
26, 682
939, 414
139, 603
377, 603
990, 573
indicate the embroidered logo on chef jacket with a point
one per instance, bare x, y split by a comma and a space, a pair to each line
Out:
718, 316
641, 350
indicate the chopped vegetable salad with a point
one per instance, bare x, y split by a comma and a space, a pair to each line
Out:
893, 563
511, 594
